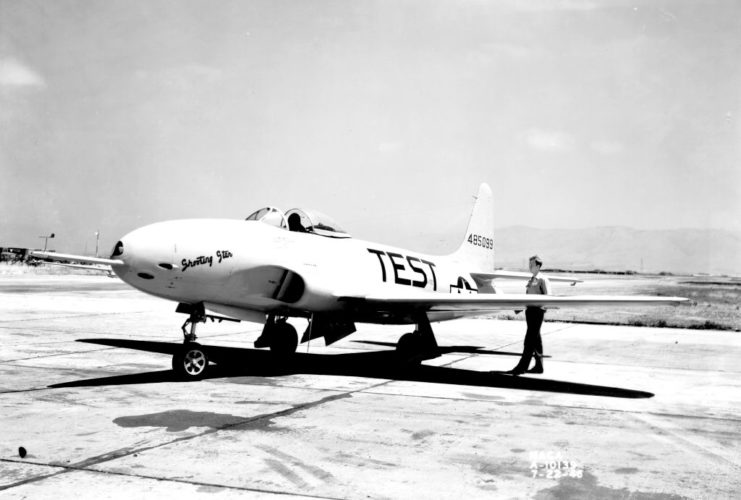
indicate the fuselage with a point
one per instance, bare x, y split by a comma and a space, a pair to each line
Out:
260, 268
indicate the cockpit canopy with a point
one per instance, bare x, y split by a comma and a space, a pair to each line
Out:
269, 215
300, 221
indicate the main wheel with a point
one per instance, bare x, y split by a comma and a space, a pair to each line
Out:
190, 362
283, 339
409, 346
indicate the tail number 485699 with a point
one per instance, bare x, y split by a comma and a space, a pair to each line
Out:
481, 241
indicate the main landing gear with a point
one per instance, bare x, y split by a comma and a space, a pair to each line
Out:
279, 335
418, 345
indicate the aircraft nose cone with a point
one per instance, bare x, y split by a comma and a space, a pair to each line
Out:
146, 252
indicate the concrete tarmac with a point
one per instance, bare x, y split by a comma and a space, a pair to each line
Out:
89, 408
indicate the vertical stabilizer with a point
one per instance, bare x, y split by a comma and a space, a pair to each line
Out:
476, 252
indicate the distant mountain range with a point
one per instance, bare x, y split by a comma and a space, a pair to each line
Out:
689, 251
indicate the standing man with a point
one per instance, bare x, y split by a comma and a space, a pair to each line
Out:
534, 317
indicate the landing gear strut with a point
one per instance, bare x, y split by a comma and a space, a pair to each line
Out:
279, 335
418, 345
195, 317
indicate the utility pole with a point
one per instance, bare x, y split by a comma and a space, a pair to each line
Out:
46, 239
97, 236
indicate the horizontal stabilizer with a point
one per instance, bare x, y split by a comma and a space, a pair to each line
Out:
515, 275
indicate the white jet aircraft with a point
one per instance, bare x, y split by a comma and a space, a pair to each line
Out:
276, 265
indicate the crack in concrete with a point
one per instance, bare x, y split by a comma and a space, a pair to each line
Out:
45, 318
87, 465
664, 433
70, 468
45, 356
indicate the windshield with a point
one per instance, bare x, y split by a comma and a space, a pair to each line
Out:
269, 215
313, 221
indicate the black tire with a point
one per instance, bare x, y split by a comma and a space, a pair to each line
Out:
190, 362
409, 347
283, 339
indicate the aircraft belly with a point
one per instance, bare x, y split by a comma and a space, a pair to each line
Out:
401, 317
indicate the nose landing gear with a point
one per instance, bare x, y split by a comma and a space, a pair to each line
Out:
190, 361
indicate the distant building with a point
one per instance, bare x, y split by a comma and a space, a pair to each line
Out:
15, 255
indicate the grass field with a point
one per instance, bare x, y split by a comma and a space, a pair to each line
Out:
18, 269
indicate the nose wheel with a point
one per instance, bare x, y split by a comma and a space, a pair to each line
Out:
190, 362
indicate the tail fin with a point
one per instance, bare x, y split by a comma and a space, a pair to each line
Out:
477, 250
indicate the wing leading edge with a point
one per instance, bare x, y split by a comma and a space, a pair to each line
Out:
76, 258
482, 303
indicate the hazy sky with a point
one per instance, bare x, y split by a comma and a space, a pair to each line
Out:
384, 114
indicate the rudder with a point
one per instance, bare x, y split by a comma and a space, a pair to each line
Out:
477, 250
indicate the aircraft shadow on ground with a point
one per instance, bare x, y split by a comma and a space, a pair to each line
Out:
241, 362
470, 349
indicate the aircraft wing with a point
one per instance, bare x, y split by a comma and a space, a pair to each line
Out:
108, 270
482, 303
516, 275
76, 258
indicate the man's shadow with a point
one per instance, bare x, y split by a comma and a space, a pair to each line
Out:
384, 364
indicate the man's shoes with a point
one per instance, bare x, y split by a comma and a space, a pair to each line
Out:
515, 371
536, 369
